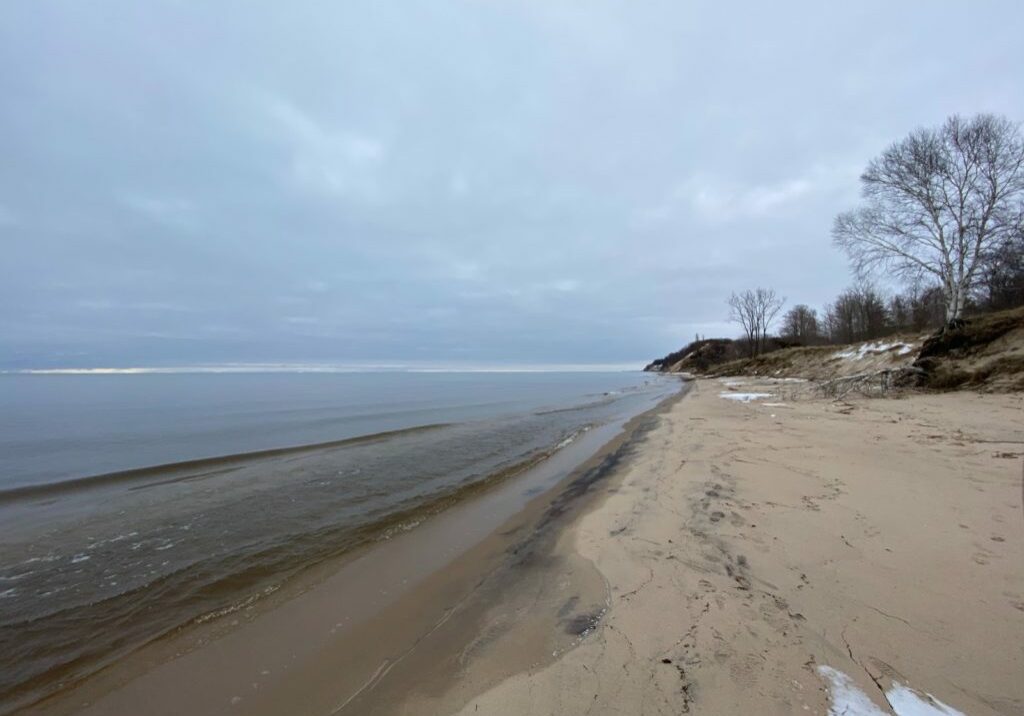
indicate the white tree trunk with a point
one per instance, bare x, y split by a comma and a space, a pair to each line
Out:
954, 301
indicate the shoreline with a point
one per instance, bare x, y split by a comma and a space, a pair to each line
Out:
454, 567
800, 555
541, 600
776, 554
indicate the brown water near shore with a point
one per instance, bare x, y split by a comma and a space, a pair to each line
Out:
92, 570
358, 635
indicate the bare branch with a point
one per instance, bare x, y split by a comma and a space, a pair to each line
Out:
755, 311
941, 202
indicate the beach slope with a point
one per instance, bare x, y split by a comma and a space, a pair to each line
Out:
776, 557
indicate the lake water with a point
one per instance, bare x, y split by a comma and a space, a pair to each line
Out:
131, 505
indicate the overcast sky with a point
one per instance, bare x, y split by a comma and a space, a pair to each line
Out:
475, 181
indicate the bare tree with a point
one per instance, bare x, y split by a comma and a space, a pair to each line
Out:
768, 306
1002, 281
927, 307
857, 314
755, 311
743, 310
938, 204
800, 324
900, 312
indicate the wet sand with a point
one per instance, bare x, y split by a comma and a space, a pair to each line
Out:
792, 554
355, 635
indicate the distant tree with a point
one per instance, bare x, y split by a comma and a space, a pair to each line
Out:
800, 324
927, 307
917, 308
857, 314
743, 310
872, 317
755, 311
939, 204
1002, 281
839, 325
768, 306
900, 315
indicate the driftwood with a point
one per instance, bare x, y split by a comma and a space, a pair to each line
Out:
876, 383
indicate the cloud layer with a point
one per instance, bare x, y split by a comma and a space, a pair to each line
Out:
465, 181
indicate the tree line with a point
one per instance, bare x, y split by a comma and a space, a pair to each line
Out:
942, 213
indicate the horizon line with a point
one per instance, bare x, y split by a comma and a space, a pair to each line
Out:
383, 367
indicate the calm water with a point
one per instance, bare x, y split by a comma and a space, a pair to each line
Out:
91, 568
54, 427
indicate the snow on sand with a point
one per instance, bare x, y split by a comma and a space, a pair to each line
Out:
849, 700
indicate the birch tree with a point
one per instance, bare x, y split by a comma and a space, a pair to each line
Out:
939, 204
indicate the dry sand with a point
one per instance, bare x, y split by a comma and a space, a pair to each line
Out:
749, 549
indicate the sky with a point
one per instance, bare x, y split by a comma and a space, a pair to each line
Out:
459, 182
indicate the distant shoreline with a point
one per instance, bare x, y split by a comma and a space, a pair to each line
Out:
248, 368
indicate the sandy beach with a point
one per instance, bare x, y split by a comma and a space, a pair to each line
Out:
787, 556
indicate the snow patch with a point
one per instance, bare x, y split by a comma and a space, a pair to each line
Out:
862, 351
743, 397
846, 698
775, 405
908, 702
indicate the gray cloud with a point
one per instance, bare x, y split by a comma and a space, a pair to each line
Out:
463, 181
